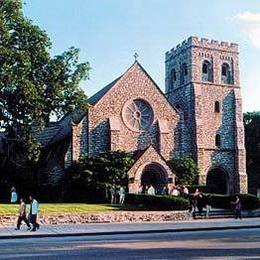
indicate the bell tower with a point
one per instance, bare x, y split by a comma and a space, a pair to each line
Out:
202, 81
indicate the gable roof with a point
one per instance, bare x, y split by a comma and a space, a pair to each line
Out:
101, 93
62, 129
57, 131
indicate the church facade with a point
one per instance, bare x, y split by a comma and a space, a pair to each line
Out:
200, 114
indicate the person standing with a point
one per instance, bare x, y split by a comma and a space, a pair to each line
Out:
14, 196
238, 207
121, 195
113, 194
22, 216
185, 191
151, 190
195, 203
34, 207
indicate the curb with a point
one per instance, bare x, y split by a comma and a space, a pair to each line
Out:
130, 232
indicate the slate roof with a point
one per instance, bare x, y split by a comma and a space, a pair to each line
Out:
59, 130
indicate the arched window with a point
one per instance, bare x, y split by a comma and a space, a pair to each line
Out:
217, 107
217, 140
184, 72
172, 79
173, 75
207, 72
226, 74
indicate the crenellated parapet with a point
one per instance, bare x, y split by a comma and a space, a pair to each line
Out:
194, 41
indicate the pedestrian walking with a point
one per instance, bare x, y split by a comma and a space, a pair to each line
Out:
34, 207
22, 215
14, 196
121, 195
237, 208
196, 201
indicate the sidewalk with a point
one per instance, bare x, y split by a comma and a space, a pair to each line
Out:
129, 228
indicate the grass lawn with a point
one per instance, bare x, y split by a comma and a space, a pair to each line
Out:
60, 208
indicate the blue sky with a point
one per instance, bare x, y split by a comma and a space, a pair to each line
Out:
109, 32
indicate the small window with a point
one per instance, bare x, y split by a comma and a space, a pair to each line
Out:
173, 75
207, 72
224, 70
226, 74
172, 79
217, 140
185, 69
217, 107
184, 72
205, 68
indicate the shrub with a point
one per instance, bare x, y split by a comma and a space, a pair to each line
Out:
186, 170
248, 201
156, 202
202, 188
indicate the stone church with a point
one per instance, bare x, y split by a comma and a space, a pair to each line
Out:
200, 114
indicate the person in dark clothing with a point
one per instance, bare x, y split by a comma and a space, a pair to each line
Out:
237, 208
22, 216
197, 203
200, 204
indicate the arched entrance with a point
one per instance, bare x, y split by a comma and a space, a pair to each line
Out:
217, 181
154, 174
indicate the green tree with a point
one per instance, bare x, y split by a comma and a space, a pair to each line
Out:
186, 170
105, 169
252, 136
33, 85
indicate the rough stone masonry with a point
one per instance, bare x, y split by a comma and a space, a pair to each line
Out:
199, 114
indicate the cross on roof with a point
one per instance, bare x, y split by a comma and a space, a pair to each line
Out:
136, 56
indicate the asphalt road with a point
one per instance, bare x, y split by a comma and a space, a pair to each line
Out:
229, 244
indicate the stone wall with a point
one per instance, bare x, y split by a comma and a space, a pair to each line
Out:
123, 216
196, 98
134, 84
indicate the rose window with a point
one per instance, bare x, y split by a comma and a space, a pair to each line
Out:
138, 115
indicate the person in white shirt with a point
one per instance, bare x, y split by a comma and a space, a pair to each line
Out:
175, 192
151, 190
121, 195
185, 191
34, 207
14, 196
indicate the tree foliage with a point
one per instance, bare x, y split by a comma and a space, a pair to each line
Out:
252, 136
106, 168
33, 85
186, 170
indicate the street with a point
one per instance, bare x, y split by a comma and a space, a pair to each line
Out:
225, 244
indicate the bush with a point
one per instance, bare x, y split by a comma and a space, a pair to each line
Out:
248, 201
186, 170
156, 202
202, 188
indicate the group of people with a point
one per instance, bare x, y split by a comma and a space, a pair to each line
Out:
199, 201
179, 191
23, 216
115, 193
163, 190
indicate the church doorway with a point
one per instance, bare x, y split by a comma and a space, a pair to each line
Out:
154, 174
217, 181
